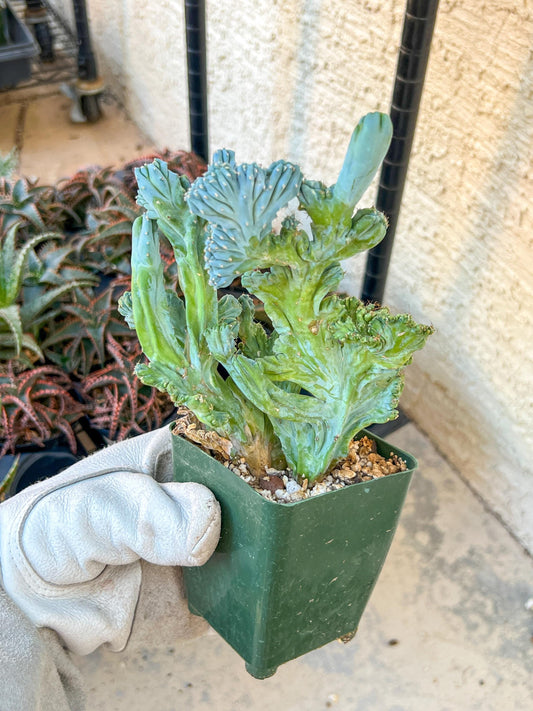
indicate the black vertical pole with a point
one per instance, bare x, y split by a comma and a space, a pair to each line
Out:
419, 22
87, 70
197, 75
89, 85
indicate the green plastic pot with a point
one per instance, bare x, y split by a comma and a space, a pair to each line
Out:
288, 578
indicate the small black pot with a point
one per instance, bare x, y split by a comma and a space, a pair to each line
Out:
36, 464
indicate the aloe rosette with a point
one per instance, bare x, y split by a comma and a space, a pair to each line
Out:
330, 367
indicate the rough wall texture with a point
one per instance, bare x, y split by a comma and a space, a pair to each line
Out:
464, 257
289, 79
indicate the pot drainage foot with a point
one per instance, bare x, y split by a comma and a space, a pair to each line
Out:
347, 637
260, 672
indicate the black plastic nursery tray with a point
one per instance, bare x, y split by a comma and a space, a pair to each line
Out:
17, 55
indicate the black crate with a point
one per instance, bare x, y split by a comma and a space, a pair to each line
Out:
17, 55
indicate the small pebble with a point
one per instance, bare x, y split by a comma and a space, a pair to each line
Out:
292, 486
271, 483
347, 474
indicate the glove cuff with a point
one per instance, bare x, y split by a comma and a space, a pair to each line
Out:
108, 601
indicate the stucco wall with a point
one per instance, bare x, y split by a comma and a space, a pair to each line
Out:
290, 79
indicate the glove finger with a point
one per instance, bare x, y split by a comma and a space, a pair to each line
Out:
73, 533
203, 529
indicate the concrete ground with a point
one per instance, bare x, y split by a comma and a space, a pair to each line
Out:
52, 147
447, 627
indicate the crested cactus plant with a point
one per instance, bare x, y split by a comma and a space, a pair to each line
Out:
330, 367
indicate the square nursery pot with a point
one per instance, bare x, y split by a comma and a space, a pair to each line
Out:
17, 54
288, 578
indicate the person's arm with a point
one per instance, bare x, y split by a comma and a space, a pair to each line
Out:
36, 672
70, 558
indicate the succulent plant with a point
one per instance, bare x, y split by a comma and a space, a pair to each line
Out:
18, 203
13, 339
36, 208
34, 277
120, 404
7, 479
180, 162
36, 405
64, 262
331, 365
77, 339
87, 189
9, 161
52, 276
106, 241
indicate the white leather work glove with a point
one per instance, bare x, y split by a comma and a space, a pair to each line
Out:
71, 546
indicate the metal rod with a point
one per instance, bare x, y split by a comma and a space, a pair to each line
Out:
87, 69
197, 76
417, 33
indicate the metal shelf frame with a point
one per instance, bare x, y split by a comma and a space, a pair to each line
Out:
64, 68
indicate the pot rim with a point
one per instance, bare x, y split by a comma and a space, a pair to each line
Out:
412, 465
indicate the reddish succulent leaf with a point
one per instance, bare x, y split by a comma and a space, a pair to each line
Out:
36, 405
121, 404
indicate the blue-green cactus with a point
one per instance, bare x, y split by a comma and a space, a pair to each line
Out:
331, 365
240, 203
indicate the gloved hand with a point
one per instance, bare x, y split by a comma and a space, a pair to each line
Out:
71, 546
